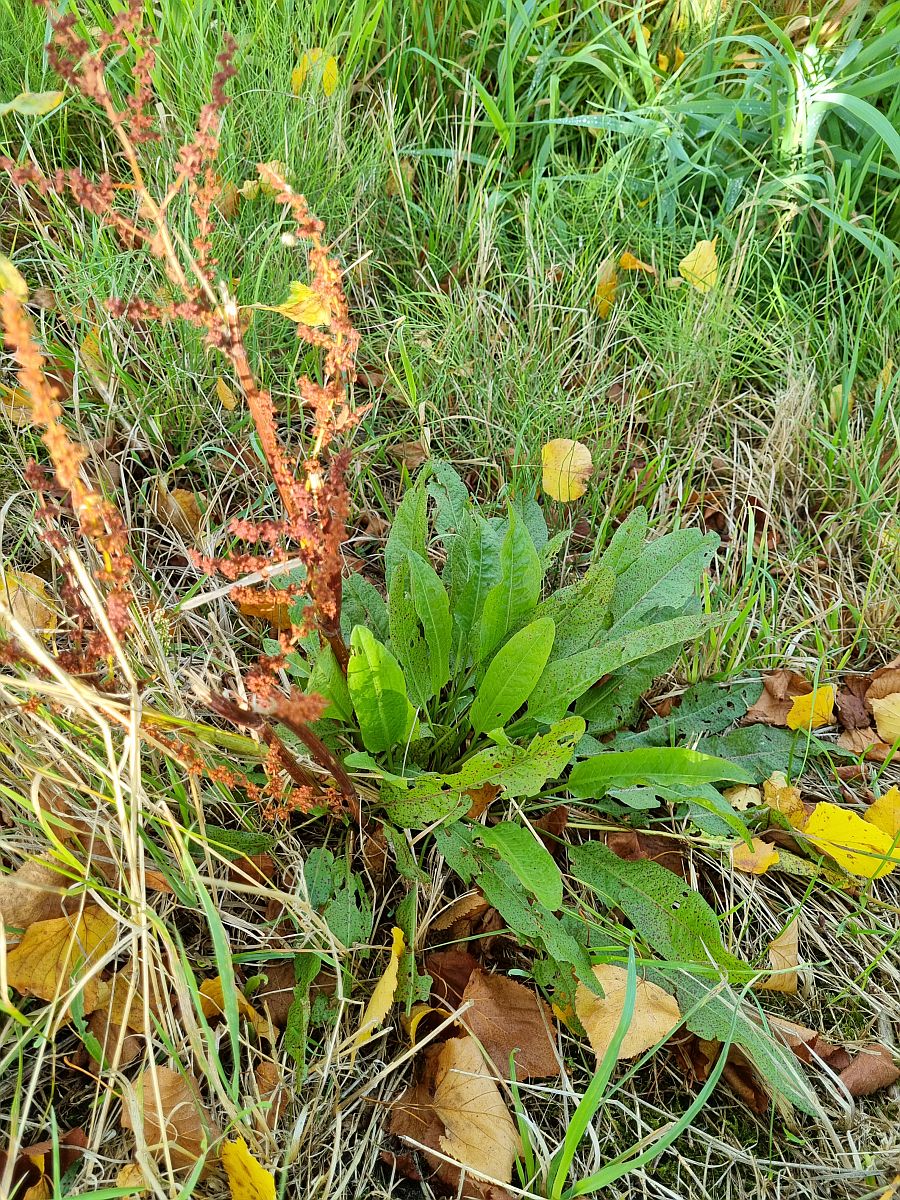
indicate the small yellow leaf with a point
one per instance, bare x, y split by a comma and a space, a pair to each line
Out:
784, 953
304, 305
383, 997
628, 262
310, 59
29, 601
812, 711
17, 406
567, 466
92, 357
212, 1004
32, 104
132, 1176
887, 717
678, 57
12, 280
227, 398
784, 798
859, 846
605, 291
177, 508
755, 859
884, 813
54, 955
250, 189
247, 1179
742, 797
662, 61
656, 1013
700, 268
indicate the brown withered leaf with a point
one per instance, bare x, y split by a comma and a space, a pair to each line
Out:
872, 1068
697, 1058
482, 798
633, 845
118, 1049
173, 1116
252, 868
470, 905
32, 893
276, 996
508, 1017
54, 954
32, 1172
852, 709
780, 689
177, 508
883, 683
450, 971
212, 1003
784, 956
273, 1094
478, 1130
551, 826
410, 454
865, 742
656, 1013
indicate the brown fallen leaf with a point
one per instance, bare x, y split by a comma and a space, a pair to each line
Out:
872, 1068
177, 509
54, 955
784, 956
478, 1130
276, 995
780, 689
450, 971
410, 454
550, 827
656, 1013
34, 892
252, 868
506, 1017
33, 1176
482, 798
472, 903
633, 845
29, 601
852, 709
865, 742
212, 1003
883, 683
754, 859
173, 1118
273, 1094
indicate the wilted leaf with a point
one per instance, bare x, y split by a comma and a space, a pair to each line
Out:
567, 466
212, 1003
813, 710
785, 798
700, 268
176, 508
656, 1013
478, 1130
400, 179
628, 262
29, 602
857, 845
31, 1176
605, 291
32, 893
743, 796
472, 903
174, 1118
508, 1017
303, 305
383, 996
780, 688
883, 813
132, 1176
887, 717
247, 1179
268, 604
784, 954
872, 1068
54, 955
227, 398
16, 406
310, 59
11, 279
410, 454
91, 353
32, 104
755, 859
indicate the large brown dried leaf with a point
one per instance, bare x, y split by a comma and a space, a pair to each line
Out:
505, 1017
32, 893
633, 845
873, 1068
172, 1115
32, 1171
478, 1130
471, 905
54, 954
883, 683
450, 971
853, 711
780, 689
865, 741
656, 1013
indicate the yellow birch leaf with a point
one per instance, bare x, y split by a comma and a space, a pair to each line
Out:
678, 57
32, 104
12, 280
812, 711
567, 466
700, 268
54, 955
662, 61
859, 846
784, 798
884, 813
212, 1004
247, 1179
28, 601
755, 859
887, 717
310, 59
227, 398
303, 305
383, 997
628, 262
177, 508
478, 1130
784, 955
605, 291
656, 1013
92, 357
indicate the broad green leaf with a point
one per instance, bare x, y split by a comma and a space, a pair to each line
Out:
432, 798
349, 914
233, 843
328, 680
363, 604
706, 708
663, 766
473, 568
762, 750
530, 860
452, 503
511, 676
626, 543
407, 640
321, 876
432, 607
613, 703
409, 530
306, 968
32, 104
532, 517
378, 691
665, 910
566, 679
518, 589
582, 625
665, 574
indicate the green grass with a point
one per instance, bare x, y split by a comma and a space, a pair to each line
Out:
542, 139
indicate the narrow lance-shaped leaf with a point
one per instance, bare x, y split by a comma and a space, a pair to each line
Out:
512, 675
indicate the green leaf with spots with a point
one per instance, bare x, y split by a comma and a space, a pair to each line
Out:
530, 860
655, 766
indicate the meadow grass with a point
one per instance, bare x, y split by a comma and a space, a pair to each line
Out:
476, 167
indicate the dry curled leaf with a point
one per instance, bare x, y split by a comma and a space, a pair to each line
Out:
132, 1176
784, 952
813, 710
857, 845
656, 1013
383, 996
780, 689
478, 1130
700, 268
628, 262
743, 796
32, 1174
508, 1018
32, 893
754, 859
872, 1068
784, 797
177, 509
883, 813
54, 955
605, 291
247, 1179
212, 1003
174, 1118
273, 1095
28, 600
567, 466
472, 903
410, 454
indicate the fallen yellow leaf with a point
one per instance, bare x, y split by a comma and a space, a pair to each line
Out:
662, 61
784, 798
812, 711
310, 59
605, 291
28, 600
303, 305
92, 356
859, 846
783, 958
567, 466
700, 268
755, 859
212, 1004
678, 58
383, 996
247, 1179
55, 955
227, 398
32, 104
884, 812
17, 406
887, 717
628, 262
655, 1015
478, 1130
11, 279
742, 797
178, 508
